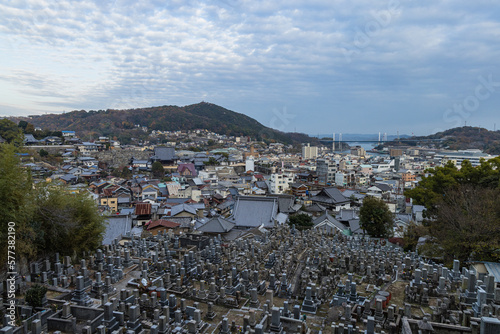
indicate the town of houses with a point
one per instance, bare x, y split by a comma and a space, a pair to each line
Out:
202, 246
201, 189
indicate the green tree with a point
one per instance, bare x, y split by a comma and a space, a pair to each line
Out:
10, 131
432, 188
461, 210
301, 221
376, 218
22, 125
43, 153
126, 173
69, 222
47, 218
30, 128
16, 199
467, 224
35, 294
411, 235
157, 169
211, 162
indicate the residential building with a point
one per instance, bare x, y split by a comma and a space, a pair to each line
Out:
325, 170
332, 198
395, 152
162, 225
87, 148
149, 192
298, 189
110, 202
358, 151
278, 183
309, 152
408, 177
345, 179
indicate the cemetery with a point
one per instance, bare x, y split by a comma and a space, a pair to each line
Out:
282, 281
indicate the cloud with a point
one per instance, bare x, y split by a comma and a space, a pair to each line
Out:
386, 60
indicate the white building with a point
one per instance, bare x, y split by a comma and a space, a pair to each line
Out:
279, 183
309, 152
383, 167
209, 175
87, 148
250, 164
474, 156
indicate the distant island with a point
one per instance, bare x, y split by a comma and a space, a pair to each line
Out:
461, 138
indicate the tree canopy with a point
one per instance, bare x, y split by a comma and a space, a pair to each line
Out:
301, 221
10, 131
211, 162
157, 169
376, 218
68, 222
16, 198
432, 188
47, 217
462, 211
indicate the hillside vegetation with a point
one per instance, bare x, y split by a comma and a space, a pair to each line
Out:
118, 123
462, 138
469, 137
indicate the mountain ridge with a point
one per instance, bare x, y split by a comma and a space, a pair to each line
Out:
462, 138
203, 115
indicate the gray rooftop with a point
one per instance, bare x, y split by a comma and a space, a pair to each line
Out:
327, 220
217, 225
254, 211
117, 227
164, 153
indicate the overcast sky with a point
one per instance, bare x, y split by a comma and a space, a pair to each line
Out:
319, 66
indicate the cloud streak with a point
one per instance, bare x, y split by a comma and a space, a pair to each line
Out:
384, 61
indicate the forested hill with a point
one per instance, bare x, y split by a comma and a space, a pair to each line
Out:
461, 138
468, 137
166, 118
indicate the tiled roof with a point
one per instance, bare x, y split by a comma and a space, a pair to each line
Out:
117, 226
164, 153
330, 196
143, 209
327, 219
181, 208
217, 225
255, 211
162, 223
